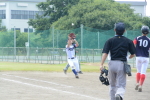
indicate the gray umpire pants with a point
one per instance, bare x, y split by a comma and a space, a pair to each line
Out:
117, 78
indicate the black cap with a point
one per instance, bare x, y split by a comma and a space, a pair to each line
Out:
120, 27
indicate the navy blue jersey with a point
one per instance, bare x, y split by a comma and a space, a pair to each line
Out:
142, 46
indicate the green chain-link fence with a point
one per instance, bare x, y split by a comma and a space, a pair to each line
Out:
48, 46
88, 38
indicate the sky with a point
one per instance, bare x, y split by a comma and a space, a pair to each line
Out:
147, 7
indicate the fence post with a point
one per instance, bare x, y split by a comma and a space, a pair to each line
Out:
14, 42
81, 40
57, 39
53, 35
93, 55
98, 40
28, 45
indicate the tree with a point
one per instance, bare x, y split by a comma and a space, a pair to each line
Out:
99, 14
146, 21
54, 9
6, 39
2, 28
40, 23
21, 39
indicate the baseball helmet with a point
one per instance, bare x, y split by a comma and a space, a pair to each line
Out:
103, 78
145, 29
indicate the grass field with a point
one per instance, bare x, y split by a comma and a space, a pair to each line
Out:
13, 66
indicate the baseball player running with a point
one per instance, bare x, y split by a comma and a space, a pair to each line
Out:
70, 50
142, 44
67, 66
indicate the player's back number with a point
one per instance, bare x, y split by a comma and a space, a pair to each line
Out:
143, 43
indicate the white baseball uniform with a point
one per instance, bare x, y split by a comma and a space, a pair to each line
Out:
72, 60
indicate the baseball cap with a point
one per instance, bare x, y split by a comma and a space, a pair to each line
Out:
120, 27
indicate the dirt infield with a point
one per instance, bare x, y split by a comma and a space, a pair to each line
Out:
58, 86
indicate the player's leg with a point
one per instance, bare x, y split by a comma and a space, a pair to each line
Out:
75, 61
80, 72
138, 74
72, 66
120, 80
66, 68
143, 72
117, 80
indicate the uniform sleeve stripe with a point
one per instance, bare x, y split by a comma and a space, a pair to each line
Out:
135, 41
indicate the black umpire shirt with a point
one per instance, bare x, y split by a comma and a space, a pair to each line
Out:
118, 47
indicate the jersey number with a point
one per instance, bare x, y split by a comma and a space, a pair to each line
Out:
143, 43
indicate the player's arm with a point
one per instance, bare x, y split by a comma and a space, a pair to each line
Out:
105, 53
132, 48
104, 56
76, 43
69, 43
135, 42
131, 56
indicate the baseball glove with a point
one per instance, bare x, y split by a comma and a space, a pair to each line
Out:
72, 35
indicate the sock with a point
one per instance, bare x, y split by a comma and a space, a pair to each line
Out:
67, 66
74, 71
142, 79
138, 77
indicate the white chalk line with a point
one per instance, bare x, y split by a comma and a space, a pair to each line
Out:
38, 80
49, 88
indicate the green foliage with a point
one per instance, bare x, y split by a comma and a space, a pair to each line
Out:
54, 9
21, 39
7, 39
2, 28
42, 39
146, 21
40, 23
99, 14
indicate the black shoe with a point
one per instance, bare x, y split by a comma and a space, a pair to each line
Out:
76, 76
65, 71
118, 97
80, 72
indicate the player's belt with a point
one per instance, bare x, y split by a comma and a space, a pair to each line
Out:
71, 58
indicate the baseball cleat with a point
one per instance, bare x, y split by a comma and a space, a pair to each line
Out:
136, 87
65, 71
80, 72
76, 76
118, 97
140, 89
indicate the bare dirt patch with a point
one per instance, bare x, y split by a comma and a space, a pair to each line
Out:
59, 86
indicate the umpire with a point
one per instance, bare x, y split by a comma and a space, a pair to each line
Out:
118, 46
